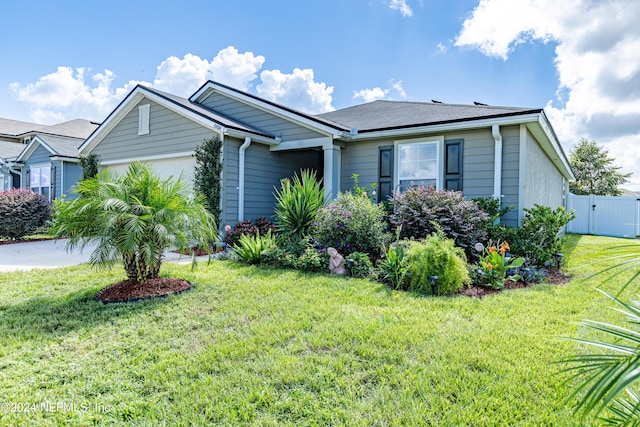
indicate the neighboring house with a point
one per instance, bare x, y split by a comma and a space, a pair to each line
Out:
41, 157
483, 151
50, 165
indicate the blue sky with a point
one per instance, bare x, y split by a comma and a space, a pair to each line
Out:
577, 58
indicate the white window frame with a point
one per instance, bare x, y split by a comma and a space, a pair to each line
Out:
143, 119
40, 166
439, 143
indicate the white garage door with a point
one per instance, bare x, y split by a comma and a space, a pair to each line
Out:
165, 168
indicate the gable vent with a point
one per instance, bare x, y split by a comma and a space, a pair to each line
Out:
143, 119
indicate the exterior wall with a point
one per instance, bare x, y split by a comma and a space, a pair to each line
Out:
543, 183
477, 170
510, 172
169, 133
263, 171
72, 174
270, 123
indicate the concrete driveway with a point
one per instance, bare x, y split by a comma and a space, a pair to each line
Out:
50, 254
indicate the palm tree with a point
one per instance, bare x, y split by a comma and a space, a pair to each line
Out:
134, 218
607, 378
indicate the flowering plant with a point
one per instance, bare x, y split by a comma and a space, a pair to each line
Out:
494, 264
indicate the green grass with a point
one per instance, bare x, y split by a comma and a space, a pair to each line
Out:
252, 346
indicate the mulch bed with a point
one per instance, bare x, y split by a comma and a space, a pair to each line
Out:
127, 291
554, 277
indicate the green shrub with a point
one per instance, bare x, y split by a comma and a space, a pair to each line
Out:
22, 212
436, 256
419, 209
251, 248
537, 238
298, 203
393, 266
208, 174
313, 260
351, 223
362, 266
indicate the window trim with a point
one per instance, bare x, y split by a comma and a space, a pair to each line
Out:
438, 140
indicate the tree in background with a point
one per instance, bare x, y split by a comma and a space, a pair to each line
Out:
208, 171
594, 170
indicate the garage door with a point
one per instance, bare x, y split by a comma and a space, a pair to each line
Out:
165, 168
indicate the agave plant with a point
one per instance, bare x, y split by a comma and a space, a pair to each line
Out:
607, 377
134, 218
298, 201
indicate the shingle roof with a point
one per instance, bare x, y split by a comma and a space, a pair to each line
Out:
383, 115
62, 146
10, 150
76, 128
10, 127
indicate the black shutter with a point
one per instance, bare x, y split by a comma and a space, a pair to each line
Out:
53, 183
453, 164
28, 179
385, 172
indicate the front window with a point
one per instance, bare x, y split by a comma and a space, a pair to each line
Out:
418, 165
40, 180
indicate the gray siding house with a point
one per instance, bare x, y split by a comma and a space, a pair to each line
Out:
41, 157
484, 151
50, 165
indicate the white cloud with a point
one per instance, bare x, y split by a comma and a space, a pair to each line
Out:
184, 76
402, 6
67, 94
441, 47
373, 94
596, 60
297, 90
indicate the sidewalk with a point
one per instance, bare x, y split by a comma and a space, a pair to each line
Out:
52, 254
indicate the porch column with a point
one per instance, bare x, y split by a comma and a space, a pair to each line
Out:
331, 171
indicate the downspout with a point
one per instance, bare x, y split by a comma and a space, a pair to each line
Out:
243, 148
497, 164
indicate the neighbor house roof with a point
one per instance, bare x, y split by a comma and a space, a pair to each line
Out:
76, 128
13, 128
10, 150
388, 115
56, 145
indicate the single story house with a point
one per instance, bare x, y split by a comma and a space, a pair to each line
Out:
484, 151
41, 157
50, 165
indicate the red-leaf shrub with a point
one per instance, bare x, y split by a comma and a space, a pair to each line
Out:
262, 225
22, 212
417, 209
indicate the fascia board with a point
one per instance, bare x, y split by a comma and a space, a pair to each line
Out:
65, 159
27, 152
551, 146
447, 127
267, 107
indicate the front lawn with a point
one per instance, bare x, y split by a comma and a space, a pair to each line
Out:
258, 346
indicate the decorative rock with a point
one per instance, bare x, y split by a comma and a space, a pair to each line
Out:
336, 262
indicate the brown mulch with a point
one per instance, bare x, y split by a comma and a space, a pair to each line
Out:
128, 291
553, 277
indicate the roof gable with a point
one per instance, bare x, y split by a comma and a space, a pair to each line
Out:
197, 113
308, 121
56, 145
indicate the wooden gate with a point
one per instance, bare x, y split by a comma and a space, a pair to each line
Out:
605, 215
